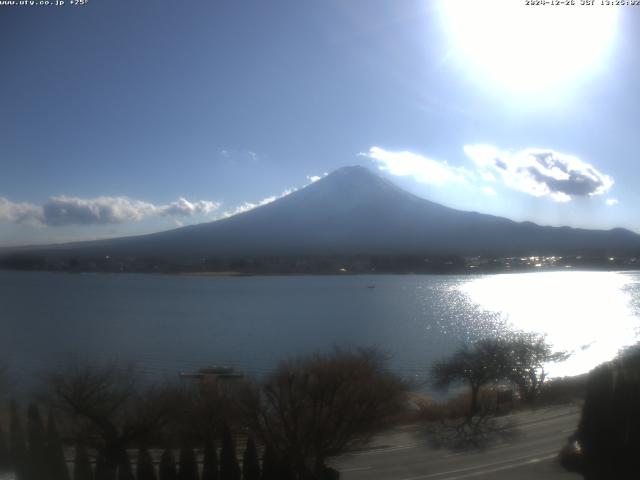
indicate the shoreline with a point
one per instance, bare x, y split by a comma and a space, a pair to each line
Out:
373, 274
236, 274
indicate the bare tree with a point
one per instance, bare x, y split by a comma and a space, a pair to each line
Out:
167, 469
188, 465
82, 465
528, 353
204, 408
269, 464
37, 453
314, 407
5, 456
55, 452
18, 444
519, 359
4, 379
477, 365
250, 462
145, 469
110, 407
210, 461
229, 468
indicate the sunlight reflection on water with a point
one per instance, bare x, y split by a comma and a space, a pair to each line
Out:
590, 314
168, 324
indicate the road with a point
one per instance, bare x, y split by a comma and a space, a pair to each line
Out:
404, 453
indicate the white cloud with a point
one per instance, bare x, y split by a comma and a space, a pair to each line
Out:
611, 201
421, 168
246, 206
540, 172
20, 213
184, 208
65, 210
238, 156
488, 176
560, 197
489, 191
315, 178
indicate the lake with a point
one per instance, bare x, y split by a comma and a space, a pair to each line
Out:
169, 324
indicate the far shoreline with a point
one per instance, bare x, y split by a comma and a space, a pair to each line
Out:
240, 274
374, 274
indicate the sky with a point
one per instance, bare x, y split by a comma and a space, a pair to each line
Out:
123, 117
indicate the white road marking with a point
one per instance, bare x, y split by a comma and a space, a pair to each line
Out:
525, 460
377, 451
354, 469
408, 446
506, 467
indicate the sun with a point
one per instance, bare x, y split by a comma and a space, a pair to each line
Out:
530, 47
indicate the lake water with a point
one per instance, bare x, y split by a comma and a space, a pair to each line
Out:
169, 324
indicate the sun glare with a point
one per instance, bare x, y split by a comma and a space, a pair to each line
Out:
530, 47
588, 314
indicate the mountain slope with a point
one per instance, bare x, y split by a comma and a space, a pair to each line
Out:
354, 211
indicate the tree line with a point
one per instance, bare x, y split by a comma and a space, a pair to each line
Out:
289, 424
38, 454
607, 441
519, 360
120, 427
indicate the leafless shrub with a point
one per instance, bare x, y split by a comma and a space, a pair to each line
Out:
527, 355
109, 407
321, 405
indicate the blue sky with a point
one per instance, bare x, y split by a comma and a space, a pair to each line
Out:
124, 117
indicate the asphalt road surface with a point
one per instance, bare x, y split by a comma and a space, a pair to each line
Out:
530, 453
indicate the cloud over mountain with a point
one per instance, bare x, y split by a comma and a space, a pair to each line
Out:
184, 208
534, 171
20, 213
64, 210
540, 172
351, 211
246, 206
423, 169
